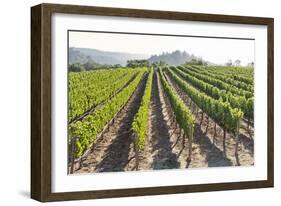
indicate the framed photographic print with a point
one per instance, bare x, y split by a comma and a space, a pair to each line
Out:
130, 102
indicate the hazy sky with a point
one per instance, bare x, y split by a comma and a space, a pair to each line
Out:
212, 49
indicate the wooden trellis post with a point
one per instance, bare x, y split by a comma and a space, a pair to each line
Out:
215, 133
237, 143
190, 143
73, 148
136, 149
202, 116
223, 143
183, 139
207, 125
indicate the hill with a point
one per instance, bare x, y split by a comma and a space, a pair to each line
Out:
83, 55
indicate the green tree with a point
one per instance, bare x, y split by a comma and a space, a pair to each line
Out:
76, 67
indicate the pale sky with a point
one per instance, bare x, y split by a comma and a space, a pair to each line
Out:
216, 50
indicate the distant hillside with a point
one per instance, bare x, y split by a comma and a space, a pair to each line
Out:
174, 58
83, 55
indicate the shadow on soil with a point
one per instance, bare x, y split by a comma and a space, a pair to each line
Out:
164, 158
117, 153
214, 156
